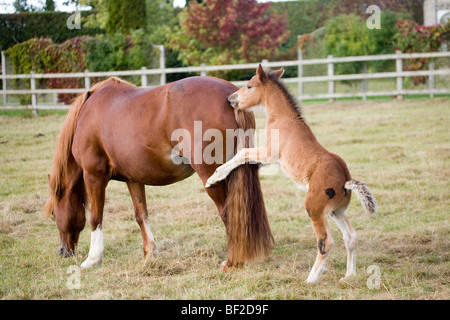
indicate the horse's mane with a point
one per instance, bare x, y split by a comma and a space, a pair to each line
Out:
63, 150
289, 97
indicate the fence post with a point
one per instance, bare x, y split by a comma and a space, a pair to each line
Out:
33, 93
331, 74
162, 64
300, 73
364, 82
143, 77
5, 99
399, 70
203, 72
431, 78
87, 80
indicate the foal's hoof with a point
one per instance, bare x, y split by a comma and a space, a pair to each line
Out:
152, 254
210, 183
214, 179
348, 278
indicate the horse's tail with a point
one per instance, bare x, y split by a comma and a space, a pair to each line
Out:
248, 230
364, 195
63, 151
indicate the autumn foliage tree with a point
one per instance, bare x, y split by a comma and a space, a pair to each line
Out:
227, 31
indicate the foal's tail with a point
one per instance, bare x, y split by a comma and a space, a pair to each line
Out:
63, 152
248, 230
364, 195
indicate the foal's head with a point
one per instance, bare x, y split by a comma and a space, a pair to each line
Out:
252, 94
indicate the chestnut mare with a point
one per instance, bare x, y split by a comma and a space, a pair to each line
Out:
323, 174
121, 132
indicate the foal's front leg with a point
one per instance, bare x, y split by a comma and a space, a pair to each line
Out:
257, 155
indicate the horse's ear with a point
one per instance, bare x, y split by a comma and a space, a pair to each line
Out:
278, 73
261, 73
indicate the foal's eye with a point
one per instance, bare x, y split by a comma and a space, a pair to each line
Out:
249, 87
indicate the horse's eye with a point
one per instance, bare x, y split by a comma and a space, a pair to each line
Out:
249, 87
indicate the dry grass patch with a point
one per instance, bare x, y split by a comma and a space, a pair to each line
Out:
400, 149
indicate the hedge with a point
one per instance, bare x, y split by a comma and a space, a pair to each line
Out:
101, 53
19, 27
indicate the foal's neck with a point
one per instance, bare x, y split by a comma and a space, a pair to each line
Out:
280, 105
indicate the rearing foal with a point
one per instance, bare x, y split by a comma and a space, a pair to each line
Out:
303, 159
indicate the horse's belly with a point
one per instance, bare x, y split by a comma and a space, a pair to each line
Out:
151, 169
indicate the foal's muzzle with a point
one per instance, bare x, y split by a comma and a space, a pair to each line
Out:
233, 100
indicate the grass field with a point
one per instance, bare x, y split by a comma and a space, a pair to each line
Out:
400, 149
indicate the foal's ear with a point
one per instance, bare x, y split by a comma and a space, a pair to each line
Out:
261, 74
278, 73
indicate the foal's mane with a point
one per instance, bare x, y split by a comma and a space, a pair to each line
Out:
289, 97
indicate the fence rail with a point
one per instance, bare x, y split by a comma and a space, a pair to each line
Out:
331, 78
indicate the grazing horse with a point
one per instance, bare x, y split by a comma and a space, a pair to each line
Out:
117, 131
303, 159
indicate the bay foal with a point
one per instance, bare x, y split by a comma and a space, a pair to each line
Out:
303, 159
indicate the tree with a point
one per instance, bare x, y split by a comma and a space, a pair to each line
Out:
412, 37
49, 5
413, 8
160, 18
125, 15
227, 31
347, 35
21, 5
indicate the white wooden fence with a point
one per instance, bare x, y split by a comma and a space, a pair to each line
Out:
399, 74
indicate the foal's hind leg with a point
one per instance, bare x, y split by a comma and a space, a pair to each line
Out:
95, 186
137, 192
324, 245
350, 237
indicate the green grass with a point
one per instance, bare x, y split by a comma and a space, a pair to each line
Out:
400, 149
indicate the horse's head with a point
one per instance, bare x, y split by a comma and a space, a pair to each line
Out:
252, 94
67, 206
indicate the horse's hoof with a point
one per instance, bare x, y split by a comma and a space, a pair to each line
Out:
225, 267
90, 262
